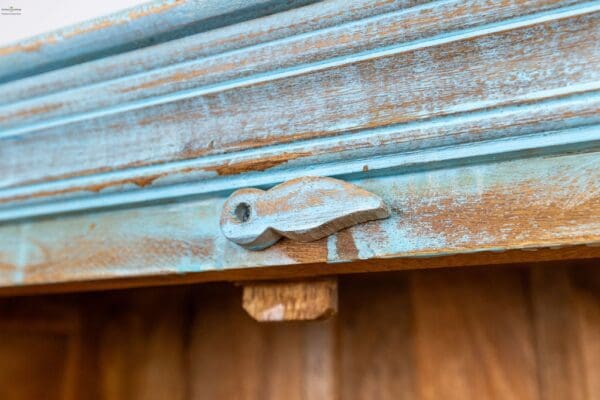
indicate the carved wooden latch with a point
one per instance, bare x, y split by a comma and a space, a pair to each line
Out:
302, 209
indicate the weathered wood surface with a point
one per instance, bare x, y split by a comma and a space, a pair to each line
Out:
520, 204
477, 121
450, 70
137, 27
212, 42
305, 300
406, 147
447, 19
303, 209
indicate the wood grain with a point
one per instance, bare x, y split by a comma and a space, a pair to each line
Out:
390, 26
313, 299
41, 349
141, 352
406, 100
405, 84
566, 306
527, 332
134, 28
252, 367
472, 138
376, 338
526, 204
204, 44
475, 335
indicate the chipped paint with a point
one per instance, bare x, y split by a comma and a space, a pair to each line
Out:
525, 203
322, 103
253, 63
407, 101
252, 32
127, 30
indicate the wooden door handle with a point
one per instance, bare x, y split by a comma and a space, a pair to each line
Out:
302, 209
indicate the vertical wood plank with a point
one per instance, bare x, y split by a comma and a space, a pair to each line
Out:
526, 333
235, 357
141, 346
473, 335
567, 320
40, 352
376, 342
321, 360
586, 293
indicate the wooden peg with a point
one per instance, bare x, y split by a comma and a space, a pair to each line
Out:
291, 301
302, 209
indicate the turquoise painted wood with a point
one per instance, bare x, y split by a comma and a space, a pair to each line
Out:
476, 121
138, 27
303, 209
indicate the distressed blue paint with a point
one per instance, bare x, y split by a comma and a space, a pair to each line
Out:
88, 100
485, 170
303, 209
582, 138
184, 238
138, 27
294, 22
164, 140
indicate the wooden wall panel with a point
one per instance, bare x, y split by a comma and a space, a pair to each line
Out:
141, 353
33, 365
473, 336
376, 339
585, 284
234, 357
41, 352
566, 316
527, 332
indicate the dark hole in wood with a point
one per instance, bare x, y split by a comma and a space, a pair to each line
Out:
242, 212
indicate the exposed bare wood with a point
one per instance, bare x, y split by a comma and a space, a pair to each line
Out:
208, 59
462, 75
213, 42
521, 204
377, 338
237, 357
291, 301
475, 334
566, 307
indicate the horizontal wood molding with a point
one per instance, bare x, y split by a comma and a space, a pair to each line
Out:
543, 202
552, 126
450, 73
430, 25
210, 43
477, 121
134, 28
